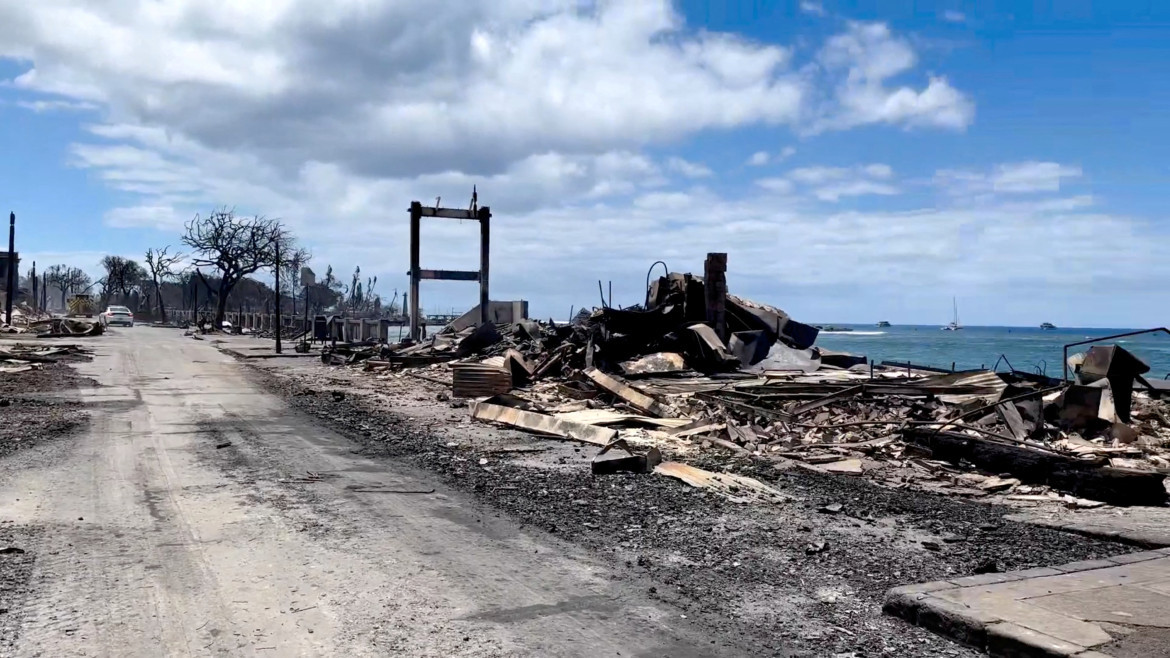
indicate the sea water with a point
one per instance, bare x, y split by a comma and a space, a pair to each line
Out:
1025, 348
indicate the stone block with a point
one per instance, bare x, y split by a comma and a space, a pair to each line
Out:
1008, 640
954, 620
1130, 558
1084, 565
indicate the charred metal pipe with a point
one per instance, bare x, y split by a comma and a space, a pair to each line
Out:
648, 272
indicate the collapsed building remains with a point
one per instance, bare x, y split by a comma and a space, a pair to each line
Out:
698, 371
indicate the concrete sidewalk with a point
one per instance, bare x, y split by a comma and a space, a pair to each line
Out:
1096, 609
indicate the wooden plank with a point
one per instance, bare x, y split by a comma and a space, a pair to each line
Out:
828, 399
739, 488
448, 275
1011, 417
633, 396
542, 423
1117, 486
448, 213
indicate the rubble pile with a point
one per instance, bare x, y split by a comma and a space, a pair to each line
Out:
17, 357
665, 379
64, 328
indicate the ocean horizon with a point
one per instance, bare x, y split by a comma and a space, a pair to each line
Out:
981, 346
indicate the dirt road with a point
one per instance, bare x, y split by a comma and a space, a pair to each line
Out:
197, 515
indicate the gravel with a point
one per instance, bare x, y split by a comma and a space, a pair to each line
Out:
798, 580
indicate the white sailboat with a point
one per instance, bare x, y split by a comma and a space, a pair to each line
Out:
954, 325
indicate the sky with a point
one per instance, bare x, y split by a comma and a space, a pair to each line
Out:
857, 161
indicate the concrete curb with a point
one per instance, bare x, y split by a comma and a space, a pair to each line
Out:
923, 605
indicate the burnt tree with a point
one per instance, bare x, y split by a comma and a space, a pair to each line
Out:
236, 247
162, 267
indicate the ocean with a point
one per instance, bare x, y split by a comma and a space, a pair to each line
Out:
1026, 348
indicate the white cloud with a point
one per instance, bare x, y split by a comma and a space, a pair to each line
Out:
43, 106
833, 183
781, 185
688, 169
157, 217
952, 16
402, 88
1008, 178
812, 7
333, 115
1031, 176
835, 191
867, 55
759, 159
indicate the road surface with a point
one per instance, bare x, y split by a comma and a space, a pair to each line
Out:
160, 540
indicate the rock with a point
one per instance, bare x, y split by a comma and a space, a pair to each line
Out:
931, 546
832, 508
815, 547
442, 396
989, 566
953, 539
11, 550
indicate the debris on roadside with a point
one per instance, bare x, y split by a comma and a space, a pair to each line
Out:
693, 374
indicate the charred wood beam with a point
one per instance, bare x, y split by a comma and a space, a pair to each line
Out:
1116, 486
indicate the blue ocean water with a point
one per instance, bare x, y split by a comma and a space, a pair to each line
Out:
1026, 348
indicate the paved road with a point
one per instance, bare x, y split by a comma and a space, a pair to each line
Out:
160, 543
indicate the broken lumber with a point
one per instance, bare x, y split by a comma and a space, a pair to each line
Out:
633, 396
540, 423
1116, 486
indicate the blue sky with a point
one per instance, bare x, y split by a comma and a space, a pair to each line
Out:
857, 161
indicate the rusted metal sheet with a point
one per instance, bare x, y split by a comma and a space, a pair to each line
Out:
636, 398
738, 488
476, 380
542, 423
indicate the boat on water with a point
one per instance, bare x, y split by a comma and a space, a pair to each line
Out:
883, 323
954, 325
830, 328
1047, 326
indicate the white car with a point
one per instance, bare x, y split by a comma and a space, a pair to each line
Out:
118, 315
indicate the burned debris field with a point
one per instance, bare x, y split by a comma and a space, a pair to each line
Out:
762, 485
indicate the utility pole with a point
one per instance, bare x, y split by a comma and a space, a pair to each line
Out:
278, 296
11, 268
35, 292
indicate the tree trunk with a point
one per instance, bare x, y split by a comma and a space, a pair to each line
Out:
162, 313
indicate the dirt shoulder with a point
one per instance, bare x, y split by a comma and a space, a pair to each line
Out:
35, 408
791, 575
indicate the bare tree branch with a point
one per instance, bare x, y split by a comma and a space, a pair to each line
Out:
235, 246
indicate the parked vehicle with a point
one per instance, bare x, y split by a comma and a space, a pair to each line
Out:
118, 315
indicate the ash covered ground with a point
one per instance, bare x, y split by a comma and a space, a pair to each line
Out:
802, 578
31, 413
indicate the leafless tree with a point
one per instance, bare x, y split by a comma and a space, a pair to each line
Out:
67, 279
123, 275
290, 273
236, 246
162, 268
